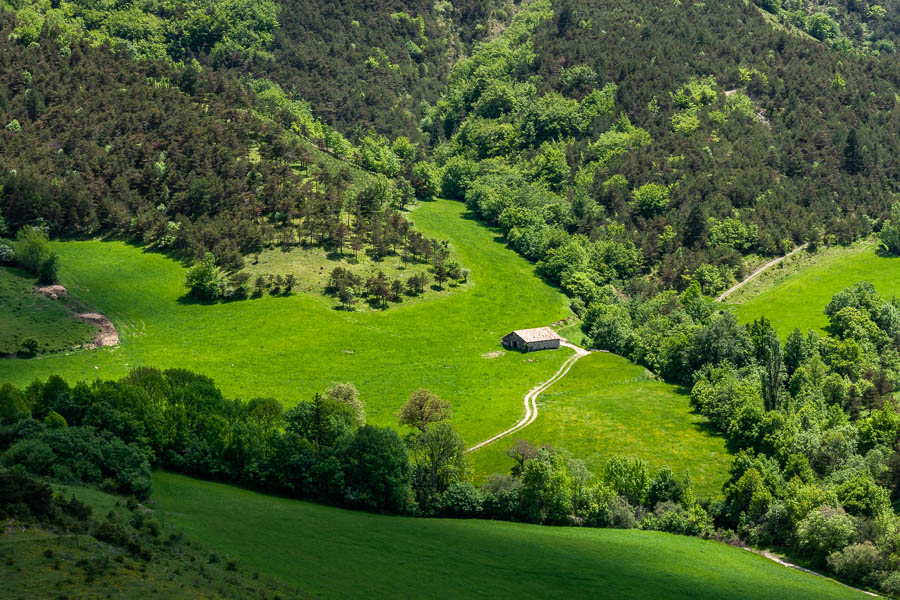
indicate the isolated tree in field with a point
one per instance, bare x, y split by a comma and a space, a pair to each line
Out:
890, 231
346, 393
205, 280
290, 280
521, 452
422, 409
32, 248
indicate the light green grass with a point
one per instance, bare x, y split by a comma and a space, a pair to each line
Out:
24, 313
608, 406
795, 294
312, 265
337, 553
291, 347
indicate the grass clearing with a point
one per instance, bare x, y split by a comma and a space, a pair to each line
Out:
290, 347
794, 294
24, 313
335, 553
609, 406
313, 264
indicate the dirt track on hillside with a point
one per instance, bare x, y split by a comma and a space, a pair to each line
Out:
531, 410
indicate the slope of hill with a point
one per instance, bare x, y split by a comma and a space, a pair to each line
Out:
750, 140
466, 559
607, 406
795, 296
81, 543
291, 347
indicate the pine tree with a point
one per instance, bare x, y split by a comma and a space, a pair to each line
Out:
853, 159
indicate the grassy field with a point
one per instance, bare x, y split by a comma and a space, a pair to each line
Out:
608, 406
312, 265
40, 563
794, 294
291, 347
25, 313
336, 553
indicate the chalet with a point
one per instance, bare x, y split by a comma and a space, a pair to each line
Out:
529, 340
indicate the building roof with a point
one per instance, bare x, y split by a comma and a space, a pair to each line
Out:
538, 334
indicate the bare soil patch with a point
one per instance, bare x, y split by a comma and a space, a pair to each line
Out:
53, 291
107, 334
495, 354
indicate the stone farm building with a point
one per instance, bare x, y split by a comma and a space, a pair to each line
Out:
529, 340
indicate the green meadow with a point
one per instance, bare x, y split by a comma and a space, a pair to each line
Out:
324, 552
290, 347
794, 294
609, 406
24, 313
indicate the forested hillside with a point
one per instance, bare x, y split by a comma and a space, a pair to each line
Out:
612, 142
369, 65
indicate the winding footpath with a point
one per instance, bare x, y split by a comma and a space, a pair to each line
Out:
752, 275
531, 410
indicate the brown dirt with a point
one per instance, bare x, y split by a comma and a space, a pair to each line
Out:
107, 334
53, 291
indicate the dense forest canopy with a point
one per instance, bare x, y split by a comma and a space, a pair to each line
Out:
673, 155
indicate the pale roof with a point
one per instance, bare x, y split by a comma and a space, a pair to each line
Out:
538, 334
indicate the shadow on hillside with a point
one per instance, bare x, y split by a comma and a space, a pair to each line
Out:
705, 426
188, 300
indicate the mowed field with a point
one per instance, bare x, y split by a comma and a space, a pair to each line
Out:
335, 553
795, 294
291, 347
609, 406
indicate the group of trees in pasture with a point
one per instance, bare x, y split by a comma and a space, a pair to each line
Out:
378, 289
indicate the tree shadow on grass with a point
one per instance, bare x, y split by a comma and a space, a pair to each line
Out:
706, 426
188, 300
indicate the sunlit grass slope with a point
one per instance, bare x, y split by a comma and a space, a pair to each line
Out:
609, 406
336, 553
291, 347
24, 313
796, 294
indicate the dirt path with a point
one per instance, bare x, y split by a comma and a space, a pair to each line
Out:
753, 275
107, 334
531, 410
